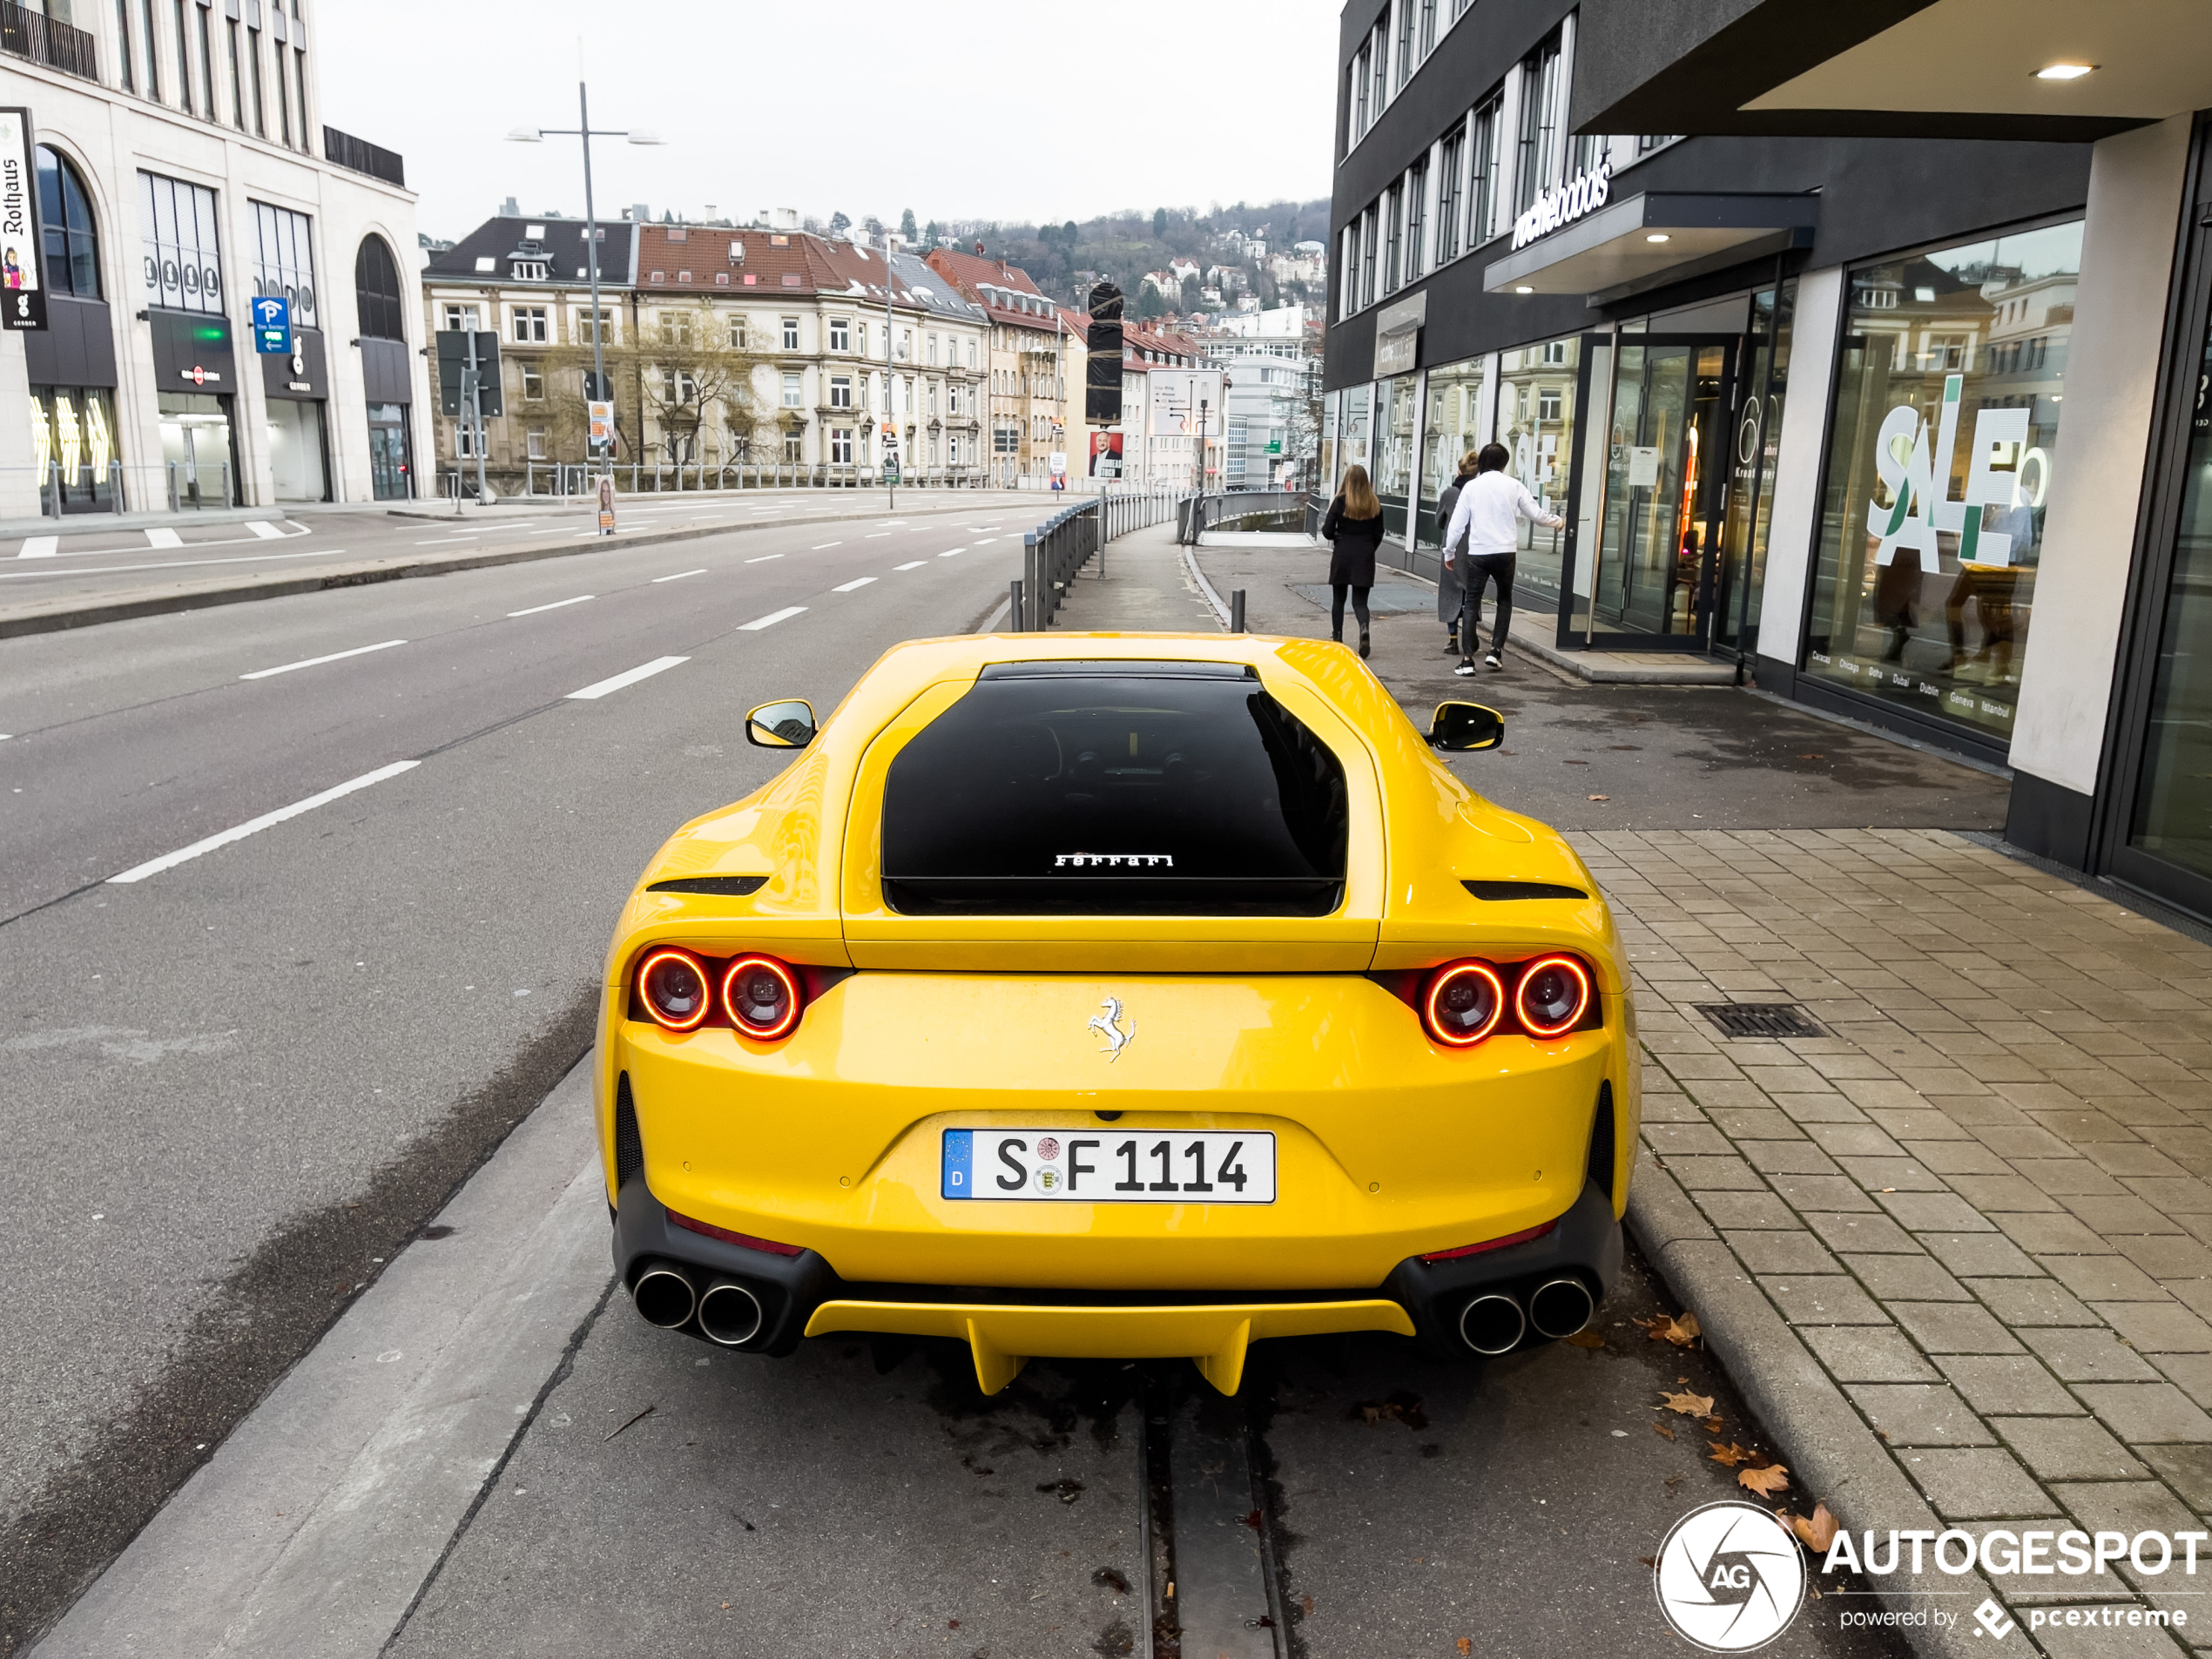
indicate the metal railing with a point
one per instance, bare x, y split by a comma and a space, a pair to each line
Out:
1243, 509
552, 479
199, 483
58, 45
359, 155
1052, 553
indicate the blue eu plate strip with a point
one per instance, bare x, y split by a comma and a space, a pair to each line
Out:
959, 1147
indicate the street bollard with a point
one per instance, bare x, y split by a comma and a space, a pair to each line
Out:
1014, 613
1236, 610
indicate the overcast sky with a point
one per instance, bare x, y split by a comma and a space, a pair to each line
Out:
995, 111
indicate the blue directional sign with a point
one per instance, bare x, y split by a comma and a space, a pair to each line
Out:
271, 326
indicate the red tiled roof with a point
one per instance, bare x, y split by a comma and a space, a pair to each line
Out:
965, 271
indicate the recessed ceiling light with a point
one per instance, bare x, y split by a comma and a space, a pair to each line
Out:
2063, 71
1656, 236
1524, 290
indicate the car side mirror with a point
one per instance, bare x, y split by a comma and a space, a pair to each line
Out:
780, 725
1457, 727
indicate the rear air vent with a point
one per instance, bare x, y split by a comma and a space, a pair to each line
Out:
1602, 1140
735, 887
1496, 890
630, 1148
1760, 1019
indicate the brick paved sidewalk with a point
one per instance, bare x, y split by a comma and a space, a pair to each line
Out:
1980, 1200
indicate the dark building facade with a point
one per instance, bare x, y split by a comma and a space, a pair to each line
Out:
1869, 365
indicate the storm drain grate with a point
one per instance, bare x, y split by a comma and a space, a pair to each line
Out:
1760, 1019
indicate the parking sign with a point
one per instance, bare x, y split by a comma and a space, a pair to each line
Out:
271, 326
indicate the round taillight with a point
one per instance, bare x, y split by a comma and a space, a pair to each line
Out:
1463, 1003
672, 984
761, 996
1554, 995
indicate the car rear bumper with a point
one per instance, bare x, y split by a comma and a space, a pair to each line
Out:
802, 1294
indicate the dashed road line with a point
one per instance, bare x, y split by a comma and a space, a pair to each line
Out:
317, 662
856, 583
950, 552
819, 546
911, 564
680, 575
770, 619
254, 826
764, 558
628, 677
555, 605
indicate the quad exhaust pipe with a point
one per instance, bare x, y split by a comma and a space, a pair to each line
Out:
727, 1312
663, 1295
1494, 1324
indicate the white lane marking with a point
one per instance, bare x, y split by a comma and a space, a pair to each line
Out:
764, 558
448, 541
986, 542
857, 582
254, 826
680, 575
266, 531
770, 619
39, 547
875, 535
819, 546
911, 564
317, 662
950, 551
629, 676
183, 564
555, 605
164, 539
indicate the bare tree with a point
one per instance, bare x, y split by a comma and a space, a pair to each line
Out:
690, 367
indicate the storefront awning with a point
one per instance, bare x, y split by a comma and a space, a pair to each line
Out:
1659, 237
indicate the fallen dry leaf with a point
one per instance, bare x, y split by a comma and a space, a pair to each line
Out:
1305, 1605
1600, 797
1767, 1481
1730, 1454
1586, 1340
1710, 1425
1465, 1645
1402, 1407
1689, 1405
1663, 1431
1681, 1329
1815, 1533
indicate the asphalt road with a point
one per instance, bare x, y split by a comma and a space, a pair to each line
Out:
238, 1083
87, 558
243, 1081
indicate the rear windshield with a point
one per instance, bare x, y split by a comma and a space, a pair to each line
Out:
1112, 790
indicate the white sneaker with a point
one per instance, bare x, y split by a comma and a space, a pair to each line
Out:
1491, 661
1464, 668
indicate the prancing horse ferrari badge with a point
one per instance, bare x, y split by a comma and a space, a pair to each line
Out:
1108, 1026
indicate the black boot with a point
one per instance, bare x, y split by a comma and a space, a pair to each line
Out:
1363, 642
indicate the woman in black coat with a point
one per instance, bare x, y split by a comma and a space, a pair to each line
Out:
1353, 530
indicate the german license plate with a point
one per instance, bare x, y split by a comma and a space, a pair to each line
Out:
1200, 1166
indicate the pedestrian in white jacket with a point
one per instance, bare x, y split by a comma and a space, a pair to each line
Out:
1486, 535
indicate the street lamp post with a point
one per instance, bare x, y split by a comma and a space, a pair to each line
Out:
583, 131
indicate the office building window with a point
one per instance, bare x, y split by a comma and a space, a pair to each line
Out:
1416, 217
283, 259
840, 334
283, 101
1368, 251
533, 383
840, 391
791, 334
1393, 234
123, 43
377, 302
1378, 93
153, 50
299, 96
530, 325
1359, 89
1537, 158
184, 61
1453, 162
459, 318
206, 63
842, 446
237, 77
534, 441
253, 74
1483, 183
183, 253
792, 391
65, 216
1405, 51
1428, 27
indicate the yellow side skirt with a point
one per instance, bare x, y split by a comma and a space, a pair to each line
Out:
1003, 1340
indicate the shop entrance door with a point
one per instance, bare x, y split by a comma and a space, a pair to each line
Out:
1658, 578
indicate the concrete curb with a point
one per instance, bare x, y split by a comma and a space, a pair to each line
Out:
1832, 1455
55, 616
1190, 563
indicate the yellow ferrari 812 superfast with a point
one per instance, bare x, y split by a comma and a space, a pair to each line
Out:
1117, 995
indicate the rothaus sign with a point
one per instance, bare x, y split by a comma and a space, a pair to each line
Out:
1564, 204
